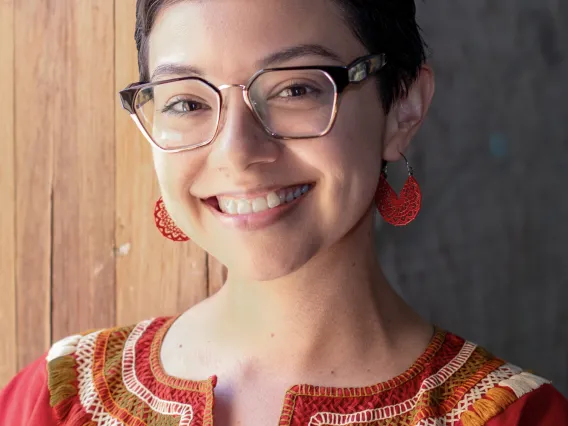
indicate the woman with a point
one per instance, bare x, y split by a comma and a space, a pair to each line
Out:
281, 184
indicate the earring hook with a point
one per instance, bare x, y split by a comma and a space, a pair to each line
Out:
408, 166
410, 169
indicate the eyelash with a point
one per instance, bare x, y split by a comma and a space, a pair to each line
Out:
294, 84
169, 108
312, 90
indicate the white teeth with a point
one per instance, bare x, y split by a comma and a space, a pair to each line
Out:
244, 207
273, 200
228, 205
260, 204
231, 207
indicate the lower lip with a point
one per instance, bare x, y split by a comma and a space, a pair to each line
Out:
255, 221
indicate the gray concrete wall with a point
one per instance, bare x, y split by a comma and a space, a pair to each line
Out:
488, 256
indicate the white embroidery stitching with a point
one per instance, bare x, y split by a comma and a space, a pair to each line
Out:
90, 398
489, 381
63, 347
373, 415
137, 388
87, 393
524, 383
507, 375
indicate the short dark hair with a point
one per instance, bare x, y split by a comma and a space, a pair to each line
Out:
383, 26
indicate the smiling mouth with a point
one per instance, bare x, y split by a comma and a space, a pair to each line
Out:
240, 207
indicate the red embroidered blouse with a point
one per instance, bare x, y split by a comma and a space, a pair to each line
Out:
114, 377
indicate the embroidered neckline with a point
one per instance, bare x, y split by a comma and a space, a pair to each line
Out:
442, 384
158, 369
209, 384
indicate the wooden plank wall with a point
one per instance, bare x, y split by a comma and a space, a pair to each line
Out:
8, 353
79, 249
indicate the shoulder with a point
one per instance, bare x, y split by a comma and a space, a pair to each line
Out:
478, 388
47, 391
25, 399
99, 375
544, 406
88, 372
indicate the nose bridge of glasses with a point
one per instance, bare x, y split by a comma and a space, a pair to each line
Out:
229, 86
244, 91
226, 86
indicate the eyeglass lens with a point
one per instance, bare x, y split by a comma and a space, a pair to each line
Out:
289, 103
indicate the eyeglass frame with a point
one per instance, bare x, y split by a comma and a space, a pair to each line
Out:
341, 76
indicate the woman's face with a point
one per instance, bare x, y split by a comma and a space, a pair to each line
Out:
227, 41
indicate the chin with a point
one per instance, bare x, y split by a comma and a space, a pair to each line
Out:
267, 272
268, 266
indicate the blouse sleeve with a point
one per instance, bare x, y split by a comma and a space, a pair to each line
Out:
25, 400
544, 406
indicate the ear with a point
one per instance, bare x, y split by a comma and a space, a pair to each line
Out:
407, 114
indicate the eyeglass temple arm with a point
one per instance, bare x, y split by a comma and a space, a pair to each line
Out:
128, 94
365, 67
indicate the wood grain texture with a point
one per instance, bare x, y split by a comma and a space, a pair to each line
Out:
83, 269
8, 354
154, 276
37, 118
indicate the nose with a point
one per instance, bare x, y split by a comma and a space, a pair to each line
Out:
241, 142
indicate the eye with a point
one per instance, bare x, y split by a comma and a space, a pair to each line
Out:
296, 91
184, 107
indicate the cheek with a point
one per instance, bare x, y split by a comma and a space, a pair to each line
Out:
176, 172
355, 143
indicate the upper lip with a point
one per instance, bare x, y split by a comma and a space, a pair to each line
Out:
256, 192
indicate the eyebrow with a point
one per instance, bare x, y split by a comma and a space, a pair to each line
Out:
271, 60
295, 52
175, 69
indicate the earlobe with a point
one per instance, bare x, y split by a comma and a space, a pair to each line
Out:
407, 115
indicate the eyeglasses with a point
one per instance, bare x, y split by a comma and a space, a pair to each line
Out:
184, 113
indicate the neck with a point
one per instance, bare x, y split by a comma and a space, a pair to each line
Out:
339, 299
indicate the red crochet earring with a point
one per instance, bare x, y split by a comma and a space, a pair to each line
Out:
403, 209
166, 225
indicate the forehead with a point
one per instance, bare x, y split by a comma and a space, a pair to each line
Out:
228, 38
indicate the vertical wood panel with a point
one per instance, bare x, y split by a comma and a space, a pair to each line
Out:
8, 363
83, 203
154, 276
38, 62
